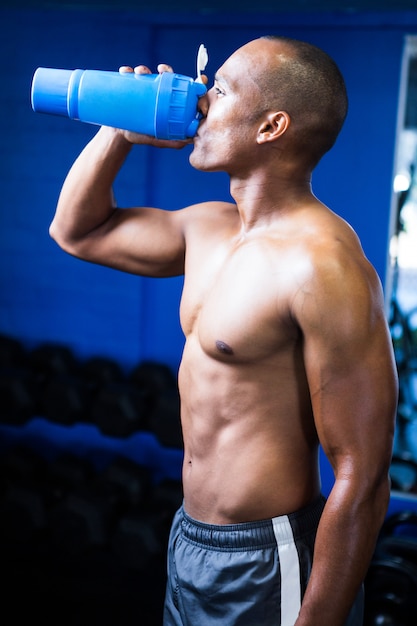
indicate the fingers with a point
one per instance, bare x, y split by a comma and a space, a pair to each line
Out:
163, 67
143, 69
125, 69
137, 138
139, 69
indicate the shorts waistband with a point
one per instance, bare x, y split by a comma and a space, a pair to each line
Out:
279, 530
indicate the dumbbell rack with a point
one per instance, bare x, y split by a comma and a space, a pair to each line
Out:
89, 483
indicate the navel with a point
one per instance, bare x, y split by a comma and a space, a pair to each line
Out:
223, 348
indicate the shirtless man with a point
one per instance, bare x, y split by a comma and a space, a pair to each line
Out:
286, 347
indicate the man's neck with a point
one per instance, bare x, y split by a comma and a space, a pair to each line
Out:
259, 200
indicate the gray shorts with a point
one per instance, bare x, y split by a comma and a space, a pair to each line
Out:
250, 574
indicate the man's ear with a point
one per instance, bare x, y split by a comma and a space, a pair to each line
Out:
273, 126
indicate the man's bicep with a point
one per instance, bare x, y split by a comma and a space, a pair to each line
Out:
351, 372
353, 402
142, 241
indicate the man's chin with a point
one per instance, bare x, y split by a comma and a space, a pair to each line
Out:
196, 163
199, 164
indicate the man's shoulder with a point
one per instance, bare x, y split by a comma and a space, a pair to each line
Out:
326, 237
334, 263
211, 217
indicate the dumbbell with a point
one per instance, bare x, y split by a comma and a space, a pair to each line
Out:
68, 471
398, 537
69, 392
65, 400
18, 391
23, 500
12, 353
22, 515
141, 535
153, 377
138, 539
98, 371
158, 380
81, 522
164, 419
132, 481
141, 532
390, 593
51, 359
20, 464
391, 582
90, 509
19, 396
40, 382
33, 488
53, 366
120, 409
403, 523
167, 496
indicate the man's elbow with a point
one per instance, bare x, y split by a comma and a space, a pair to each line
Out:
54, 231
58, 234
377, 491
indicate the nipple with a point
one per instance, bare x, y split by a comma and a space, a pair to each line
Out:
223, 348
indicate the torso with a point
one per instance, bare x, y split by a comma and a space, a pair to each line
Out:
250, 444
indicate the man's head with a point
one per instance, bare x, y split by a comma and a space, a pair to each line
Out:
277, 91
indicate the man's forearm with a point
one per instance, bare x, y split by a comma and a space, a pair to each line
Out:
344, 546
86, 200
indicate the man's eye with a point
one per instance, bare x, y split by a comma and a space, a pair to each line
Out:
219, 91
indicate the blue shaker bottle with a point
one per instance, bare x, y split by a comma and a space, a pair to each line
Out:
161, 105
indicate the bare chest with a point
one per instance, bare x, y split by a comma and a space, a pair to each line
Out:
236, 303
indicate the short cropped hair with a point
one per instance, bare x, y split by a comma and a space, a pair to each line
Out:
307, 83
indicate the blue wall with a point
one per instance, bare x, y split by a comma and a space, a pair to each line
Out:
47, 295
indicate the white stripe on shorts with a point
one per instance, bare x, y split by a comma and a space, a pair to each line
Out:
290, 570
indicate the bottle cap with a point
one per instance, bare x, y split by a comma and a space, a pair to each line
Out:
176, 115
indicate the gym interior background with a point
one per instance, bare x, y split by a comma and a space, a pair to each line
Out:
90, 450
